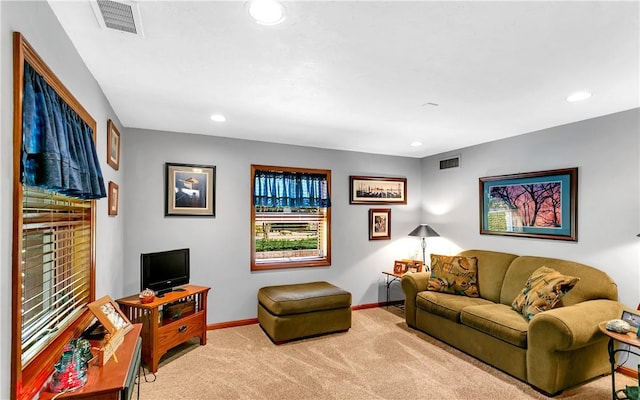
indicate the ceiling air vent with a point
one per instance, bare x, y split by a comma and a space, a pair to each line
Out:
453, 162
123, 16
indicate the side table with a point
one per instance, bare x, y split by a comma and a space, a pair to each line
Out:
629, 339
391, 277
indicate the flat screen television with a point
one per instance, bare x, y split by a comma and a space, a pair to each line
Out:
163, 271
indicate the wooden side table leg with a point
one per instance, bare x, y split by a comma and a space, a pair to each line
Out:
203, 335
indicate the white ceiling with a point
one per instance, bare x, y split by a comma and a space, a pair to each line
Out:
363, 75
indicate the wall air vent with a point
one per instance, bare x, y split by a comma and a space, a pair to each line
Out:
123, 16
453, 162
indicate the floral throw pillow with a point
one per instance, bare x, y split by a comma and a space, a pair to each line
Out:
543, 290
454, 274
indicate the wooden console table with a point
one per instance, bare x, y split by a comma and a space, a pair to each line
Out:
113, 381
161, 332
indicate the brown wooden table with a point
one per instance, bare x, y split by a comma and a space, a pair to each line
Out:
631, 339
391, 277
115, 379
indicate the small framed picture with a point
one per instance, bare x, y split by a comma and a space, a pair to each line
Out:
631, 318
109, 315
190, 190
399, 267
113, 145
413, 265
113, 198
379, 224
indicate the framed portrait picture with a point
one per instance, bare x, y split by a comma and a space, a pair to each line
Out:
190, 190
113, 198
379, 224
113, 145
372, 190
536, 204
399, 267
413, 265
109, 315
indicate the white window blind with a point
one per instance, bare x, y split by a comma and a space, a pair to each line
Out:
55, 265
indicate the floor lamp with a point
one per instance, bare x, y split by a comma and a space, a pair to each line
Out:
423, 231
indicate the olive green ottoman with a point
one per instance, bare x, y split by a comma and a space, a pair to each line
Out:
288, 312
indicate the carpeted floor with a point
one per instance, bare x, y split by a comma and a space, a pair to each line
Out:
379, 358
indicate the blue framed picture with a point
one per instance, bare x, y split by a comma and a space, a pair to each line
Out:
539, 204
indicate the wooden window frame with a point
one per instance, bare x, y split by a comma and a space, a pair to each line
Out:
316, 262
27, 380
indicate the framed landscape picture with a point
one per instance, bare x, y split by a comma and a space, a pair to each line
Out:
536, 204
373, 190
190, 190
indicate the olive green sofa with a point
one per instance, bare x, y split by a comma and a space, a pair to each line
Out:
556, 349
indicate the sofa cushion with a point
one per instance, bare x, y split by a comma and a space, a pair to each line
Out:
497, 320
543, 290
447, 305
594, 283
492, 266
454, 274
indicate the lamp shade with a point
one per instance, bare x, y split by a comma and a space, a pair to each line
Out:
423, 230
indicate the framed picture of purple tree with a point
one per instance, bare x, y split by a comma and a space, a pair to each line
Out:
539, 204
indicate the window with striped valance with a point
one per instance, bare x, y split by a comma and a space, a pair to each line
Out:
57, 178
291, 217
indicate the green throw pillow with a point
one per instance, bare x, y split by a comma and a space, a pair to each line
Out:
543, 290
454, 274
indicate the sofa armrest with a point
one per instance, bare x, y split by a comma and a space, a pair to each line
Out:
561, 337
412, 284
571, 327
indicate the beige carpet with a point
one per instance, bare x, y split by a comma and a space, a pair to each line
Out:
379, 358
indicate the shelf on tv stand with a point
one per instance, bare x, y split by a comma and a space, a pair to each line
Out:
158, 336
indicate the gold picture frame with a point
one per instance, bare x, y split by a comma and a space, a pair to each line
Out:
114, 193
110, 315
113, 145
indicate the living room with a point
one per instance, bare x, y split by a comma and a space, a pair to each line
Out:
605, 149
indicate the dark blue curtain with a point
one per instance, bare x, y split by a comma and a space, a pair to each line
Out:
58, 151
290, 189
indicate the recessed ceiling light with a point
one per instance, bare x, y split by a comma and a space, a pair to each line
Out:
416, 144
218, 118
267, 12
579, 96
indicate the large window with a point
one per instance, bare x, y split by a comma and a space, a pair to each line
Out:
290, 217
53, 253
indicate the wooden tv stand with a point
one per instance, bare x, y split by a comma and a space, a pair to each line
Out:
168, 321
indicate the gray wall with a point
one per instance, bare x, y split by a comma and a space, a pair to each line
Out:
40, 27
606, 151
220, 246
